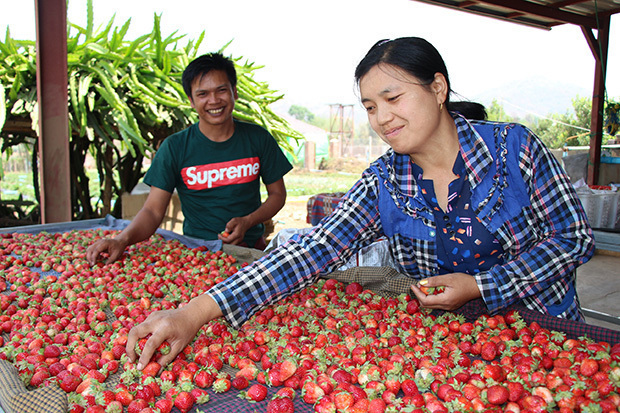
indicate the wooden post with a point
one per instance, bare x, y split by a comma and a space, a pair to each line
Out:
51, 22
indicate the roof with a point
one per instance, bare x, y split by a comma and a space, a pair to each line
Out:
543, 14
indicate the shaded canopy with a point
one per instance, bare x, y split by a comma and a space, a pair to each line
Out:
543, 14
590, 15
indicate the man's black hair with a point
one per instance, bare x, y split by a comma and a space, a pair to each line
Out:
203, 65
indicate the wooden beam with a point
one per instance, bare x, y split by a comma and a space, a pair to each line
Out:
599, 47
51, 23
548, 12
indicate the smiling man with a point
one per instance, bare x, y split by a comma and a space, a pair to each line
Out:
215, 165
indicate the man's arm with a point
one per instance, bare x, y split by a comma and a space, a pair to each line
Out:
144, 225
237, 227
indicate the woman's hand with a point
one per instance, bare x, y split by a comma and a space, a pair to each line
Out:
459, 288
178, 327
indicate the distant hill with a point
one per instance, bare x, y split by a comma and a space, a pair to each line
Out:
536, 96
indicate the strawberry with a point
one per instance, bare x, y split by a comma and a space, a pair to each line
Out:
151, 369
488, 351
256, 393
184, 401
201, 396
497, 394
588, 367
516, 390
221, 384
203, 378
137, 405
145, 393
311, 392
288, 367
281, 405
124, 396
342, 399
164, 405
409, 387
240, 383
69, 383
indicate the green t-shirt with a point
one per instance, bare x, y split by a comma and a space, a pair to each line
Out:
217, 181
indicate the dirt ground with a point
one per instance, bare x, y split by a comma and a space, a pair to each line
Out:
294, 212
292, 215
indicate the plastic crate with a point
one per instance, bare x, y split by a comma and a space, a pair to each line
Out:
601, 208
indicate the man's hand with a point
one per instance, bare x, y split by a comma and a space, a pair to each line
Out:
235, 230
178, 327
460, 288
113, 247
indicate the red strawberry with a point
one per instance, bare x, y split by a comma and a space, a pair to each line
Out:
588, 367
52, 351
69, 382
343, 399
124, 396
488, 351
39, 377
184, 401
151, 369
376, 406
221, 384
311, 392
240, 383
516, 390
201, 396
409, 387
256, 393
145, 393
203, 378
137, 405
288, 367
281, 405
164, 405
497, 394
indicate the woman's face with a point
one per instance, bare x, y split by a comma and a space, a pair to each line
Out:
403, 112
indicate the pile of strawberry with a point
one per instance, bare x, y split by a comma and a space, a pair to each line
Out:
336, 347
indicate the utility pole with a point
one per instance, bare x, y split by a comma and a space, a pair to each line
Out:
341, 128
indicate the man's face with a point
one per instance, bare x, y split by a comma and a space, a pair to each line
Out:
213, 97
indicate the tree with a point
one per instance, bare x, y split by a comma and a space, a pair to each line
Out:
496, 112
125, 97
301, 113
570, 128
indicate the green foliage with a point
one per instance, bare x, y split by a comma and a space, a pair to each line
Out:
569, 129
301, 113
2, 119
496, 112
125, 97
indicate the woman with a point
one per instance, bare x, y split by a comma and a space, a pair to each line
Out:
480, 208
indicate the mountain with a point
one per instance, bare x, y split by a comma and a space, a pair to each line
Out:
536, 96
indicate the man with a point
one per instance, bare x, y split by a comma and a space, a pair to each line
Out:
214, 165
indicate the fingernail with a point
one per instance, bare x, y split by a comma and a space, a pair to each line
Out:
139, 366
424, 282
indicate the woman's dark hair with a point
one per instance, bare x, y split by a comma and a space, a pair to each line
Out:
203, 65
420, 59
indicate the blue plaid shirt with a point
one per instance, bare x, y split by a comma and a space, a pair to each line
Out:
519, 191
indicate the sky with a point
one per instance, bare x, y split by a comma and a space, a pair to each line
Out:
309, 50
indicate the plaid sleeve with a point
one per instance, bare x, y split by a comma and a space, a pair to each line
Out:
297, 263
548, 240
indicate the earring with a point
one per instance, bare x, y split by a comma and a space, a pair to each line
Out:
440, 106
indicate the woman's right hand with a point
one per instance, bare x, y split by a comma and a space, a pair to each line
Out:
178, 327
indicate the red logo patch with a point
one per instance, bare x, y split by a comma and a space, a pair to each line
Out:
214, 175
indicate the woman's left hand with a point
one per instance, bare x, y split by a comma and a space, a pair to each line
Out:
459, 288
